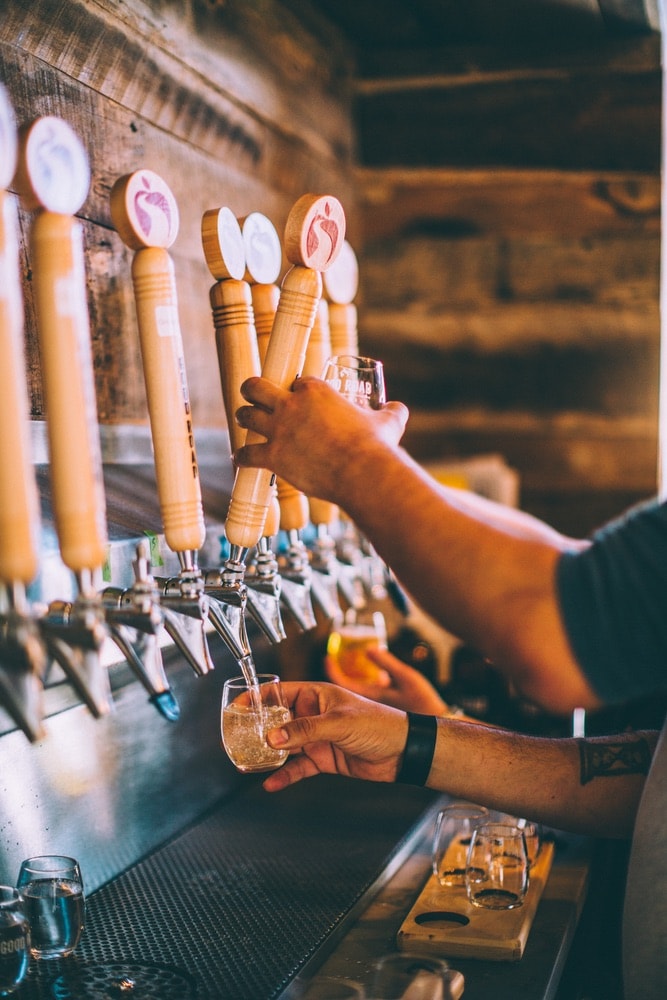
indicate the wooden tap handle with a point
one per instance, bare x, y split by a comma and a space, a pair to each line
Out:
53, 177
19, 512
265, 300
176, 467
317, 354
145, 214
222, 242
236, 343
69, 389
251, 494
263, 253
344, 329
314, 233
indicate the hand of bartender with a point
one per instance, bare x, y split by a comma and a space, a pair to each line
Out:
564, 783
486, 572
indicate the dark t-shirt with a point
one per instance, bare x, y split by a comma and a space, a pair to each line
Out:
613, 599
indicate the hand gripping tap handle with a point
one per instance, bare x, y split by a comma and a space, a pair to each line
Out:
314, 233
53, 179
21, 652
145, 214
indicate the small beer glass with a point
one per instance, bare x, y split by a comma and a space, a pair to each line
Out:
497, 867
249, 711
51, 888
349, 640
361, 380
454, 827
14, 941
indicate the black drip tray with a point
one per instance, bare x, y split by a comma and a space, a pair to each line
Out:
123, 981
235, 906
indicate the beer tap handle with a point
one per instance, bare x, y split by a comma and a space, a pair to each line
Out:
22, 655
341, 283
145, 214
313, 235
231, 305
53, 179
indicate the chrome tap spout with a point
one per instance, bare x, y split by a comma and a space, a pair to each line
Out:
322, 587
185, 612
134, 619
347, 579
74, 632
22, 663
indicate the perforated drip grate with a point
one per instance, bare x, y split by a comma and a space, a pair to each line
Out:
241, 901
124, 981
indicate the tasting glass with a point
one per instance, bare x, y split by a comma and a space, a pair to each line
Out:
51, 888
454, 827
14, 940
404, 974
332, 988
248, 713
361, 380
350, 638
497, 867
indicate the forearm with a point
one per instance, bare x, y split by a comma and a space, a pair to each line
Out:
490, 582
591, 786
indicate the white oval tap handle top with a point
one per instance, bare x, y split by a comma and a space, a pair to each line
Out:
223, 244
8, 140
236, 344
156, 300
53, 171
341, 280
263, 252
19, 510
48, 151
314, 232
144, 210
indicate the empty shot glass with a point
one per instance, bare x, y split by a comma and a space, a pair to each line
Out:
248, 712
51, 888
497, 867
14, 941
453, 831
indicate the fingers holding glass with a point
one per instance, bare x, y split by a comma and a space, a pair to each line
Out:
248, 713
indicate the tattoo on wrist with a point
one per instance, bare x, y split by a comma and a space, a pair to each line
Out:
601, 760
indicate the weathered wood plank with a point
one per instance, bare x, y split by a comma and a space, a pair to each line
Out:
400, 202
577, 121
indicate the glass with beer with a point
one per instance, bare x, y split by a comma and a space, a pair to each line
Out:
352, 637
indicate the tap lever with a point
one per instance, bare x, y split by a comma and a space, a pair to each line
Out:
74, 633
22, 665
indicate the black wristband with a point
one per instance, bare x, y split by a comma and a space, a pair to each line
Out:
419, 749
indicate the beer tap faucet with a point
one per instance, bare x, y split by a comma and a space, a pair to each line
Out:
145, 214
238, 359
314, 232
22, 653
53, 179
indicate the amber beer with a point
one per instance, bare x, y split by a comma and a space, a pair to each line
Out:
349, 642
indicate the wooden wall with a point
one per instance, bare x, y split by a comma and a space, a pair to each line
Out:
232, 103
510, 274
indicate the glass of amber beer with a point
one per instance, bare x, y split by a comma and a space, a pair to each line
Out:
352, 637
